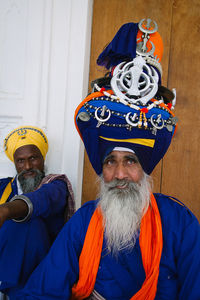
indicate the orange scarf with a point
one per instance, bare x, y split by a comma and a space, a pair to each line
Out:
151, 244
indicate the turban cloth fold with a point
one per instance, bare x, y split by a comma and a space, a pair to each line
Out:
123, 46
129, 107
23, 136
100, 139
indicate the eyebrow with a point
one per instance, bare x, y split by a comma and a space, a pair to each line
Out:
128, 156
131, 156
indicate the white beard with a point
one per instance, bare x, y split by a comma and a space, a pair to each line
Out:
123, 210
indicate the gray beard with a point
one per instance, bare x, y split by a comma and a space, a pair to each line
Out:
123, 210
31, 183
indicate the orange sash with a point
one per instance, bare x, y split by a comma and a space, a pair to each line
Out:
151, 244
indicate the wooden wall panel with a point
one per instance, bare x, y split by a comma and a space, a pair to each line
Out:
181, 166
108, 17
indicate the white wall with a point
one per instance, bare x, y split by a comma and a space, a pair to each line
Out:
44, 76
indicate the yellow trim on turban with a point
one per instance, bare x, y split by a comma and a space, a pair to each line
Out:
23, 136
144, 142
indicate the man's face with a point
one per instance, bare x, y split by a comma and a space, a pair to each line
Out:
122, 165
124, 197
28, 158
29, 164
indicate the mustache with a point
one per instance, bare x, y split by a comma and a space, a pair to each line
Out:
122, 182
30, 183
28, 171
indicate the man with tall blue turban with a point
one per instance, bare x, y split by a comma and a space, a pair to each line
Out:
33, 208
130, 243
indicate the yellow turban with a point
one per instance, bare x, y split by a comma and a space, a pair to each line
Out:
25, 135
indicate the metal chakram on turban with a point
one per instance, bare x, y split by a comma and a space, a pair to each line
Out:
23, 136
129, 107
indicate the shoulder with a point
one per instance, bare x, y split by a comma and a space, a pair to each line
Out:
89, 204
169, 202
55, 177
88, 208
83, 214
173, 211
181, 232
77, 225
53, 181
4, 182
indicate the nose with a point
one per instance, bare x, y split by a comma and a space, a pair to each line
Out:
120, 172
27, 165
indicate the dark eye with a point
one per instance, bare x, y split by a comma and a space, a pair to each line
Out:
20, 161
132, 160
109, 161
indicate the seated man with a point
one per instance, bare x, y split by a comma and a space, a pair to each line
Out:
130, 243
33, 208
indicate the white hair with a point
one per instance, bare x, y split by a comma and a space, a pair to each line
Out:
123, 210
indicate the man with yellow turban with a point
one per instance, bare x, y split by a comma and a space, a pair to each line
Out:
33, 208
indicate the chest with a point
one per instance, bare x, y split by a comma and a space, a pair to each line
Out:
120, 278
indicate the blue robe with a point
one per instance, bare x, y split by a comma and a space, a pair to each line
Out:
121, 278
24, 245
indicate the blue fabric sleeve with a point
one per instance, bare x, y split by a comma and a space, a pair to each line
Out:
179, 276
22, 247
49, 200
188, 263
55, 276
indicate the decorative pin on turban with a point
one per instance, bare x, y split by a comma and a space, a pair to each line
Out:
23, 136
129, 107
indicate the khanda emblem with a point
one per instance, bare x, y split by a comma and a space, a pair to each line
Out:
147, 26
135, 81
157, 121
103, 117
22, 132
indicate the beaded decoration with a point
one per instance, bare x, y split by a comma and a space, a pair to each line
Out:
135, 84
129, 107
104, 116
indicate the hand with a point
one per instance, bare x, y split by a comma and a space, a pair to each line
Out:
4, 213
13, 210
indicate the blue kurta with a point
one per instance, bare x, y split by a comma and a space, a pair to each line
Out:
121, 278
24, 245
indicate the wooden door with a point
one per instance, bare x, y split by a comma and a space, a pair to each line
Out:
179, 25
